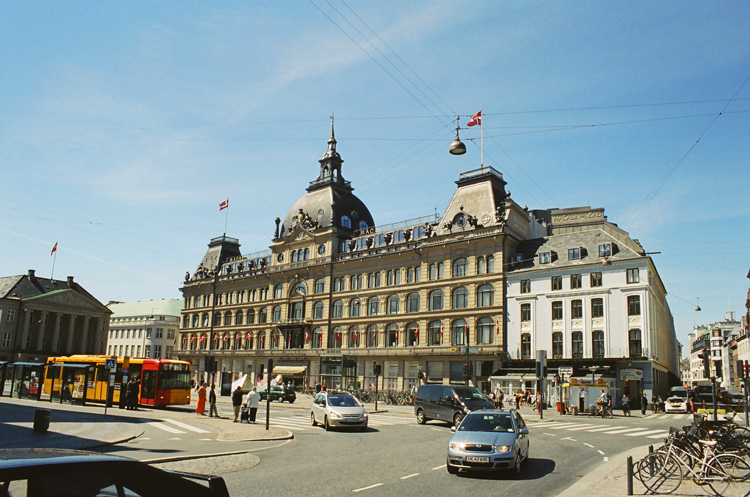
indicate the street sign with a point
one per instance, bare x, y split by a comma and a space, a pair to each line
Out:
566, 372
110, 364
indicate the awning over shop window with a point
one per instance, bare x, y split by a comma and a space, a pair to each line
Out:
289, 369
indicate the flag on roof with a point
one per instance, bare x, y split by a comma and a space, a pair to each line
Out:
54, 249
223, 205
475, 119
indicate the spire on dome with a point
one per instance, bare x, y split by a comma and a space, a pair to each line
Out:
330, 164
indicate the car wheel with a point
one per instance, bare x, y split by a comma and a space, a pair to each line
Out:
420, 417
325, 423
312, 419
457, 419
291, 401
451, 469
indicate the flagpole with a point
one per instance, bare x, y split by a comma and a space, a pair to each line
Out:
54, 259
481, 140
226, 218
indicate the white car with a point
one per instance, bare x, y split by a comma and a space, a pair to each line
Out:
676, 404
338, 410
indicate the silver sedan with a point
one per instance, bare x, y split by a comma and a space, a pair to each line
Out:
338, 410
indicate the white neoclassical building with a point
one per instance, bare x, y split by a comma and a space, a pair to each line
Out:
144, 329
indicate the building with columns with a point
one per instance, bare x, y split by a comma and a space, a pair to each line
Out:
42, 317
336, 292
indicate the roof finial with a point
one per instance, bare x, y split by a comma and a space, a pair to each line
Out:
332, 119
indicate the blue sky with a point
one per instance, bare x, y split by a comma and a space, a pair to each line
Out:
124, 124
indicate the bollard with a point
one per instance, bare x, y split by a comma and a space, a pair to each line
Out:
41, 420
630, 475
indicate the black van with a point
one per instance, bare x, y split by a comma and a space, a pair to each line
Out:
448, 403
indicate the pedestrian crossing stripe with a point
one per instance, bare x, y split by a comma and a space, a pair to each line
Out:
626, 430
186, 426
605, 428
650, 432
162, 426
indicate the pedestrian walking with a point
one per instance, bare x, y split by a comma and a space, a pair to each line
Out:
212, 411
644, 404
252, 401
131, 399
237, 402
625, 405
200, 407
582, 400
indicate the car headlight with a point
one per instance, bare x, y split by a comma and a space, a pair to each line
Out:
334, 414
501, 448
364, 415
457, 446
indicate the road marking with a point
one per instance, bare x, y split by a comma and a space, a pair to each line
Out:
588, 445
568, 438
601, 453
439, 467
561, 426
605, 428
617, 432
409, 476
660, 435
207, 439
436, 429
549, 434
642, 434
367, 488
162, 426
174, 438
144, 438
578, 428
606, 459
186, 426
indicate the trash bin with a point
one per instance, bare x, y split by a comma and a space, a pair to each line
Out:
41, 420
574, 411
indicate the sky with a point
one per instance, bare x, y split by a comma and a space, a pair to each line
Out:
123, 125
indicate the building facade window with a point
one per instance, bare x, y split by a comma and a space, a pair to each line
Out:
412, 334
544, 258
355, 282
353, 337
278, 291
436, 300
434, 333
337, 309
605, 250
412, 302
460, 298
574, 254
263, 315
459, 332
576, 309
557, 310
354, 308
485, 296
556, 282
525, 346
525, 286
391, 335
525, 313
437, 271
373, 280
481, 265
597, 341
484, 331
335, 338
596, 279
320, 285
576, 342
597, 308
490, 264
632, 275
557, 345
372, 306
575, 281
459, 267
317, 338
636, 347
372, 336
392, 305
634, 305
318, 310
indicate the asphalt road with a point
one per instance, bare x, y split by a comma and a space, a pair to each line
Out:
395, 456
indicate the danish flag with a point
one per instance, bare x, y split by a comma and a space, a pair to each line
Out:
307, 335
476, 119
192, 339
247, 336
497, 327
225, 338
355, 334
223, 205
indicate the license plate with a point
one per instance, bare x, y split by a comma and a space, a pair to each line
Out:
477, 458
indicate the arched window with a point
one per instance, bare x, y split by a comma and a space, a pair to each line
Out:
490, 263
294, 256
196, 320
412, 334
334, 338
276, 314
372, 306
250, 316
412, 302
372, 336
434, 333
346, 222
228, 318
238, 318
485, 296
459, 267
459, 332
460, 298
205, 319
317, 338
320, 285
306, 254
337, 309
261, 341
262, 315
481, 267
217, 319
362, 225
392, 305
318, 310
354, 336
300, 289
278, 291
484, 331
248, 341
391, 335
436, 300
354, 307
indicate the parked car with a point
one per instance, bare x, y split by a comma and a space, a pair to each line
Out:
676, 404
448, 403
338, 410
489, 440
279, 393
58, 472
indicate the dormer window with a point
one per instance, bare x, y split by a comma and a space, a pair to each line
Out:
544, 258
605, 250
574, 254
346, 222
362, 225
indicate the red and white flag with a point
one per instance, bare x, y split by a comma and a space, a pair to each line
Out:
226, 337
355, 334
397, 334
466, 333
224, 205
247, 336
307, 335
202, 338
441, 330
192, 339
497, 327
54, 249
476, 119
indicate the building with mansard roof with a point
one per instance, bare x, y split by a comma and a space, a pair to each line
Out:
337, 293
41, 317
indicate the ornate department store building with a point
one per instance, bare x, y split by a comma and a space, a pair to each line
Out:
337, 293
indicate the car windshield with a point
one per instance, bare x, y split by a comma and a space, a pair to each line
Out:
487, 422
341, 400
468, 393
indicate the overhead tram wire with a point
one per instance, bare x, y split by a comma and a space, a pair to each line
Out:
682, 159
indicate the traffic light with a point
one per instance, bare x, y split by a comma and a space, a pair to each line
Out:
210, 363
719, 369
706, 364
377, 368
260, 373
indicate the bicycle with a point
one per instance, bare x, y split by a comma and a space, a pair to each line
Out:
663, 471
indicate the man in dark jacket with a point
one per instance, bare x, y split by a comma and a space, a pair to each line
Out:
644, 404
237, 402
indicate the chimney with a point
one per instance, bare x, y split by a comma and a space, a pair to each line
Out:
70, 281
31, 274
278, 221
